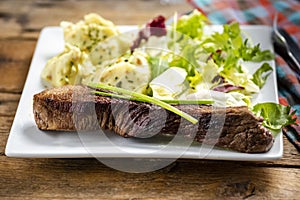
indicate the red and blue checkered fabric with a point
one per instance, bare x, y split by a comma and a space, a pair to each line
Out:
263, 12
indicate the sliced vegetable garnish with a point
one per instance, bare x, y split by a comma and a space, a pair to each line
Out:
147, 99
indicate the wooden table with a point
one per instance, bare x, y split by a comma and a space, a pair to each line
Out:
21, 22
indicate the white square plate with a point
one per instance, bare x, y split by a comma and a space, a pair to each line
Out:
26, 140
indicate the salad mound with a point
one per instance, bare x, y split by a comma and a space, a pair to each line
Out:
187, 60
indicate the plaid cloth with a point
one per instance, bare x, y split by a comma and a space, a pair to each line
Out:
262, 12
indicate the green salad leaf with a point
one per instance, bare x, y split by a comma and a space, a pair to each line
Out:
255, 54
229, 39
192, 24
157, 65
262, 74
275, 115
186, 59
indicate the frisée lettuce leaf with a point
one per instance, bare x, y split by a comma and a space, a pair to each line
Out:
255, 53
262, 74
192, 24
226, 48
275, 116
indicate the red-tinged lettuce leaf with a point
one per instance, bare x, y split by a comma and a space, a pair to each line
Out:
227, 88
156, 27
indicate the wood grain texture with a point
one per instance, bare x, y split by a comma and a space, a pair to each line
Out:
15, 58
24, 19
8, 103
88, 178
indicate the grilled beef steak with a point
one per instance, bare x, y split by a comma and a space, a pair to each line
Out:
72, 108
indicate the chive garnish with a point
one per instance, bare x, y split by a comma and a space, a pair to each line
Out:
197, 102
142, 98
173, 101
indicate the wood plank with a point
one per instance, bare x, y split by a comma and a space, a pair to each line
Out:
8, 104
15, 58
5, 125
89, 179
24, 19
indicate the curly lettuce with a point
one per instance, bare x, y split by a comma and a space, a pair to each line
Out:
192, 25
275, 116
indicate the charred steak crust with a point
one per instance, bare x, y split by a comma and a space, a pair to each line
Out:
71, 108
